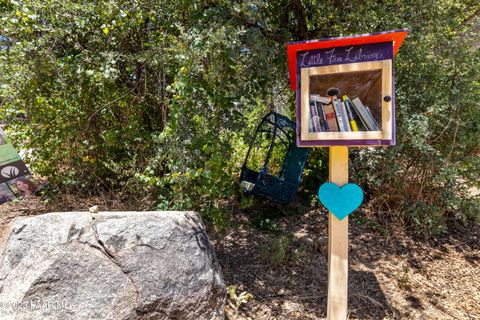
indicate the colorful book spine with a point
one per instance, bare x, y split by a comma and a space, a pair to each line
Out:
321, 116
350, 113
321, 113
315, 117
330, 117
362, 126
337, 105
365, 115
345, 116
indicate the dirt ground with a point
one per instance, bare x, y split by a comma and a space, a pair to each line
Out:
281, 265
391, 276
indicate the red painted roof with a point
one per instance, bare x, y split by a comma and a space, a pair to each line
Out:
396, 37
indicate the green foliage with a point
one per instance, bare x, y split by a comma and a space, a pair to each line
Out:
429, 175
161, 98
282, 248
266, 224
237, 300
275, 250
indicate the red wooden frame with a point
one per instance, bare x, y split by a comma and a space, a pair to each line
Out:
396, 37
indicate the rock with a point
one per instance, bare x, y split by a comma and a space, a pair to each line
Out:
117, 265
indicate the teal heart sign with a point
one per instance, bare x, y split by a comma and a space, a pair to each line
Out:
340, 201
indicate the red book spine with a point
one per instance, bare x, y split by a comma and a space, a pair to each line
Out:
330, 117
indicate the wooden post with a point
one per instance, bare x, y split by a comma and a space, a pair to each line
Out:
337, 242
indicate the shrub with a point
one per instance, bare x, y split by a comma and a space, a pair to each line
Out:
160, 98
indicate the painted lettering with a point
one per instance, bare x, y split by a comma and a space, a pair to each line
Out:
303, 57
332, 57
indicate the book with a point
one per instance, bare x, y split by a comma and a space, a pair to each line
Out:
352, 118
345, 116
337, 106
365, 115
330, 117
359, 120
321, 101
321, 113
373, 118
317, 97
315, 118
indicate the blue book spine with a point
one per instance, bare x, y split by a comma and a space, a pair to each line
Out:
338, 113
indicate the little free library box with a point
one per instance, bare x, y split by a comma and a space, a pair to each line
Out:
345, 91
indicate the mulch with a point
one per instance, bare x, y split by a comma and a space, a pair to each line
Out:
280, 258
392, 275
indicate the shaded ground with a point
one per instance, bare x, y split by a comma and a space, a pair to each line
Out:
391, 276
282, 262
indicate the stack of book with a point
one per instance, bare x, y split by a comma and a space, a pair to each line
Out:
331, 114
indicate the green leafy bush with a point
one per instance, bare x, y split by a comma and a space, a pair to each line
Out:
160, 98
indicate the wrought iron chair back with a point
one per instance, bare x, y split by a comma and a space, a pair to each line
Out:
276, 134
